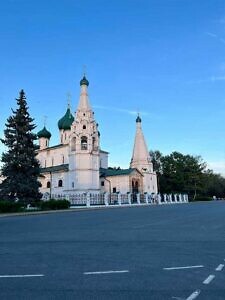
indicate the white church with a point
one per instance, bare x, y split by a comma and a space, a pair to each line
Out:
79, 165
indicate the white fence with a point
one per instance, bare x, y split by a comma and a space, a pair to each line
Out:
117, 199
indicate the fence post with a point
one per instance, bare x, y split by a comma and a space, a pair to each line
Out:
159, 199
129, 198
165, 198
88, 202
106, 199
146, 198
119, 198
180, 198
138, 198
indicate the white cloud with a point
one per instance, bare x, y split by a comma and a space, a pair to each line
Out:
211, 34
127, 111
216, 37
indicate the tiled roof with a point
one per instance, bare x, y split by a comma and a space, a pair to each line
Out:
116, 172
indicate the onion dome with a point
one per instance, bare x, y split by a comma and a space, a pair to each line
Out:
138, 120
66, 121
84, 81
44, 133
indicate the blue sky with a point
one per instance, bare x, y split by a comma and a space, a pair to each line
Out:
165, 58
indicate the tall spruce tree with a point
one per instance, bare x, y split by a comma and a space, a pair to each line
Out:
20, 166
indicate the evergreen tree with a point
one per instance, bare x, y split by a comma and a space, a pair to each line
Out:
20, 167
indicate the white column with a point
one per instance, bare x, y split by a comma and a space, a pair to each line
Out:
106, 195
138, 198
170, 198
186, 198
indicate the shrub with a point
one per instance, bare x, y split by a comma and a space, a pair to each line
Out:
203, 198
53, 204
8, 206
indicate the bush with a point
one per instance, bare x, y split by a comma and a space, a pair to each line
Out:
53, 204
8, 206
203, 198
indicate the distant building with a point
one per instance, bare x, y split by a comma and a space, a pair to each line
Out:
79, 165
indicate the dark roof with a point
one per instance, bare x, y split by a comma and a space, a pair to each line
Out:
102, 151
64, 167
116, 172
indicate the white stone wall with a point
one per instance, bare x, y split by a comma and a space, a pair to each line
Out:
121, 183
104, 159
53, 156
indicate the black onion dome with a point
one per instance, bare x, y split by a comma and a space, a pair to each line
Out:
84, 81
138, 120
66, 121
44, 133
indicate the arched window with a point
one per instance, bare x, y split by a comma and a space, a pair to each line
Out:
84, 126
48, 184
73, 144
60, 183
83, 143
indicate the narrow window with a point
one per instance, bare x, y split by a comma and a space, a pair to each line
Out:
84, 126
102, 183
73, 185
60, 183
63, 159
114, 189
48, 184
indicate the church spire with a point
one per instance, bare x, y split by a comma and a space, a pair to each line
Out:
140, 158
84, 104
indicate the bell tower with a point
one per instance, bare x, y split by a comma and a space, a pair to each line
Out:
84, 146
141, 160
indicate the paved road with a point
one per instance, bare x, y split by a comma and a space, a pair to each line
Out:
61, 251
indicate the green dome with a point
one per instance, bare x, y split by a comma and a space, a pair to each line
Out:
84, 81
66, 121
138, 120
44, 133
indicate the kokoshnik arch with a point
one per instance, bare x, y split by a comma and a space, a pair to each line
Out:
79, 165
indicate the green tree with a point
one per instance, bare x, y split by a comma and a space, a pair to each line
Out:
20, 167
182, 174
